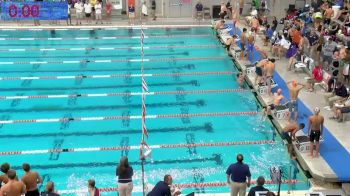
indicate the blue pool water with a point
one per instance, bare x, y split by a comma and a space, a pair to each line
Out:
71, 170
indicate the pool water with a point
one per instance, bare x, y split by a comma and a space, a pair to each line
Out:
71, 170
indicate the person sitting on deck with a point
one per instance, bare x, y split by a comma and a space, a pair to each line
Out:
340, 108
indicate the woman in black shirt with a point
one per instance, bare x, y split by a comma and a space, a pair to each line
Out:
124, 172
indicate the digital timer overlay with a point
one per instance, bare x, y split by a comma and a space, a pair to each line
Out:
34, 10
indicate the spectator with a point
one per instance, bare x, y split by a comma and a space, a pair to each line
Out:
346, 73
341, 107
153, 9
328, 50
109, 8
223, 11
13, 186
88, 11
69, 19
131, 11
144, 10
31, 179
315, 131
124, 172
313, 42
317, 74
328, 14
98, 11
274, 23
93, 3
199, 10
93, 190
238, 177
50, 190
241, 6
162, 188
5, 167
260, 186
268, 35
79, 7
340, 92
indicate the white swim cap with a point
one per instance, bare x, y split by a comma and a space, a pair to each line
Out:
317, 110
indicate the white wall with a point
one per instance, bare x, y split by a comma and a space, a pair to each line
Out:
163, 5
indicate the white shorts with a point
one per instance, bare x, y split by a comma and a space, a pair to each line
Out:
98, 16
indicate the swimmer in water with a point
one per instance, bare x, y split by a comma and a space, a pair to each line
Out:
240, 79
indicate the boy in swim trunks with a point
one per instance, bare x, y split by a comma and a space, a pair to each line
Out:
243, 42
250, 48
315, 131
31, 180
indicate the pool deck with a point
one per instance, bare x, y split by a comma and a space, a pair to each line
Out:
318, 167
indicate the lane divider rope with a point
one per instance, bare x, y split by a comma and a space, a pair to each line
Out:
101, 48
117, 148
100, 38
101, 118
181, 186
111, 60
115, 76
123, 94
89, 28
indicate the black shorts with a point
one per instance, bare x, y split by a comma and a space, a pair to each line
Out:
272, 106
315, 136
327, 21
32, 193
258, 71
243, 47
87, 15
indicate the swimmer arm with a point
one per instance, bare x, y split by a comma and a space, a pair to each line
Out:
228, 179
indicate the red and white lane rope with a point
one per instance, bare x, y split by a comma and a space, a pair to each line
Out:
100, 38
101, 48
111, 60
182, 186
116, 76
117, 148
102, 118
123, 94
90, 28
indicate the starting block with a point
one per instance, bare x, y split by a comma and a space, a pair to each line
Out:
250, 69
263, 88
303, 142
281, 112
235, 52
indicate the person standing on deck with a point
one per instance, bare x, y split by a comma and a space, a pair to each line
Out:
294, 89
315, 131
238, 177
153, 9
31, 179
13, 187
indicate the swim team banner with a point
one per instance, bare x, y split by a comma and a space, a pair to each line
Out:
34, 10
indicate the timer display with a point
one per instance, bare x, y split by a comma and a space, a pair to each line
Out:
34, 10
